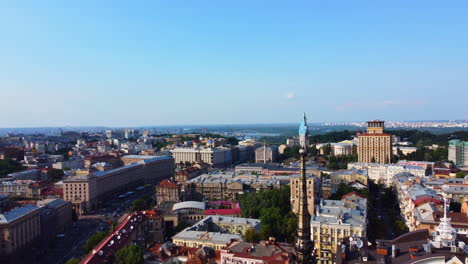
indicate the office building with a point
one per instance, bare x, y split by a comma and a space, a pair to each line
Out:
89, 191
375, 146
458, 152
215, 157
20, 231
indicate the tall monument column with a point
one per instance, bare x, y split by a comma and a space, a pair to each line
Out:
303, 242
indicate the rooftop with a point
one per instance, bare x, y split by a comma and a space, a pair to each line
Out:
17, 213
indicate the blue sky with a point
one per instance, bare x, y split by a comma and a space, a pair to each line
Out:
117, 63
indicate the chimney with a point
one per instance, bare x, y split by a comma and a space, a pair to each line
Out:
272, 240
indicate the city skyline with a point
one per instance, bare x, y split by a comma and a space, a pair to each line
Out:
157, 64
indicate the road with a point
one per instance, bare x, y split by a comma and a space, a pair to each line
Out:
71, 245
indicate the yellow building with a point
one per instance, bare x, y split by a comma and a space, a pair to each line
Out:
375, 146
335, 220
348, 177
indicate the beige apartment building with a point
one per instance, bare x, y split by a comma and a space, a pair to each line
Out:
20, 230
335, 220
167, 191
88, 192
313, 193
375, 146
24, 188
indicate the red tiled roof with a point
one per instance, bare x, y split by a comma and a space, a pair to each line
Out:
168, 184
351, 194
236, 211
52, 191
427, 199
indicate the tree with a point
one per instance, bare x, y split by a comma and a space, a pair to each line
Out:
94, 241
252, 236
73, 261
327, 149
138, 205
372, 160
55, 175
232, 141
273, 207
461, 174
8, 166
132, 254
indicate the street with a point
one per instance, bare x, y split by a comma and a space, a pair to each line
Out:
113, 211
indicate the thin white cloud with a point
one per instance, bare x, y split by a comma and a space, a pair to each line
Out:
290, 95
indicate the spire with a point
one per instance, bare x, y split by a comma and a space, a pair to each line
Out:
303, 243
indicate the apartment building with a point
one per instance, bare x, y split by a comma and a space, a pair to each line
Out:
258, 253
336, 219
313, 193
168, 191
24, 188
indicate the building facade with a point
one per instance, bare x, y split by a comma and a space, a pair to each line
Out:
167, 191
313, 193
89, 191
375, 146
336, 219
215, 157
458, 152
20, 231
266, 154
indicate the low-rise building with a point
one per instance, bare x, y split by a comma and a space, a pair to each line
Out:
264, 252
215, 231
348, 177
168, 191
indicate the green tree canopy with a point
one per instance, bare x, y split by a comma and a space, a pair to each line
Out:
461, 174
94, 241
55, 175
138, 205
73, 261
273, 207
129, 255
